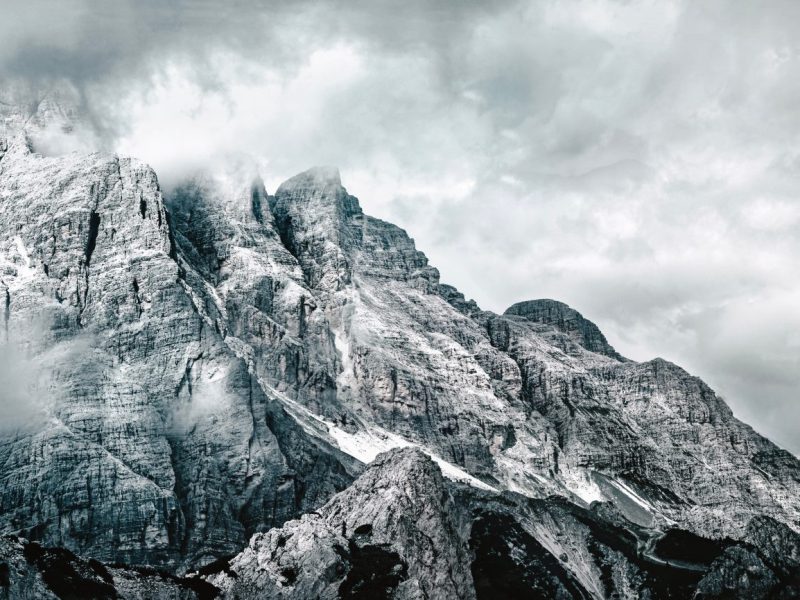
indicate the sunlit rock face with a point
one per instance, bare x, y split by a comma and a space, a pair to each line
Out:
535, 400
151, 439
187, 369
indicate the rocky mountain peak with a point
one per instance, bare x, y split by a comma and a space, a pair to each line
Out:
567, 320
24, 106
392, 534
319, 223
407, 471
318, 177
318, 190
53, 120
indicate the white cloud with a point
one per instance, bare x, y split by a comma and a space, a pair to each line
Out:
18, 402
29, 378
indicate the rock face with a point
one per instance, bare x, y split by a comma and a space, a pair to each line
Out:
403, 531
28, 570
567, 320
392, 534
150, 438
186, 370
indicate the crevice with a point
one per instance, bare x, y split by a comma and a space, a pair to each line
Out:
181, 534
285, 227
180, 529
173, 246
143, 208
301, 318
186, 380
252, 438
256, 204
91, 242
136, 297
251, 482
393, 380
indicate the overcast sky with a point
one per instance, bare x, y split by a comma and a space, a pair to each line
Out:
637, 160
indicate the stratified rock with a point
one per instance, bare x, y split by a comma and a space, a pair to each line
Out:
566, 320
150, 438
779, 547
738, 573
536, 394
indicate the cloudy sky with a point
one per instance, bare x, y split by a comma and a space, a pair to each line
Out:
637, 160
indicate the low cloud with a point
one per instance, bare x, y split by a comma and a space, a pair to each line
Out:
30, 379
19, 402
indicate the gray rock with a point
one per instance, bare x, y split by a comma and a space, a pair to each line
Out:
779, 547
28, 570
391, 534
152, 440
566, 320
738, 573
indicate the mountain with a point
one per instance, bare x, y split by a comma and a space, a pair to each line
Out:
190, 371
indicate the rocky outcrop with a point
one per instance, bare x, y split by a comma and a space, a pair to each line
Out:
566, 320
400, 531
392, 534
28, 570
738, 573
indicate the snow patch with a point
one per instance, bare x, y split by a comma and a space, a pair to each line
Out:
17, 265
341, 342
366, 444
584, 487
632, 495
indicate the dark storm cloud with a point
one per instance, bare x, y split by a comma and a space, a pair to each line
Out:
636, 159
87, 40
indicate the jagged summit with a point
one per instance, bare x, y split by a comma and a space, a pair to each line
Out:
567, 320
392, 534
314, 178
24, 107
53, 120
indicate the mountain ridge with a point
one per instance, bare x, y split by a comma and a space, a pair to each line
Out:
229, 360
